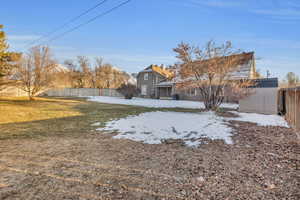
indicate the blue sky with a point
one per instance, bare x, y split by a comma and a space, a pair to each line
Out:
144, 32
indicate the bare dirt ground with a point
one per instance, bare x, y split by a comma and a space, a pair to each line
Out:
262, 164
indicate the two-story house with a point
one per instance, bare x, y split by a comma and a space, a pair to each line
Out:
158, 82
245, 70
149, 78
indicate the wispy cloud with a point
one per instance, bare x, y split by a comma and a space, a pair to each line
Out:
278, 67
283, 14
134, 63
269, 43
23, 38
212, 3
68, 52
130, 62
218, 3
295, 4
287, 10
141, 58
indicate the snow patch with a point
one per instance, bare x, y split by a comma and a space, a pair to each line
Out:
96, 124
155, 127
260, 119
155, 103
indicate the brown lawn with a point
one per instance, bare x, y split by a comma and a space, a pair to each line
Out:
49, 150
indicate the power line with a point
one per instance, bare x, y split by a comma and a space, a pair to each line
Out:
89, 21
68, 22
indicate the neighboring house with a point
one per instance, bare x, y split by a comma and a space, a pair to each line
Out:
164, 87
13, 90
149, 78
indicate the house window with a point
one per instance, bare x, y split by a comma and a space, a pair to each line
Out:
191, 92
144, 90
146, 76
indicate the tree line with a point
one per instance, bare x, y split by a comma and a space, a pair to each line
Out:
37, 70
291, 80
82, 74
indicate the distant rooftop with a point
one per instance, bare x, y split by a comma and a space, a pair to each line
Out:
159, 69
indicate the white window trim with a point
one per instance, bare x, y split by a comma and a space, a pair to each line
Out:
192, 92
146, 77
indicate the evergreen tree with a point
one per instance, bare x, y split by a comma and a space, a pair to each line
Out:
7, 60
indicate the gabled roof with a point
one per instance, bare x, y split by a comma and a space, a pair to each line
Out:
243, 60
160, 70
245, 66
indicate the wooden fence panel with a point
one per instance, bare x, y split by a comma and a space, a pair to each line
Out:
292, 106
298, 110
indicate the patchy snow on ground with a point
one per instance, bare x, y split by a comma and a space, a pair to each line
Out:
154, 127
261, 120
96, 124
156, 103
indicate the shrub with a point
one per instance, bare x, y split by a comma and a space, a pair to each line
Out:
128, 90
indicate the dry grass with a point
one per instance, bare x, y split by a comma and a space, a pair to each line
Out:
55, 116
20, 118
16, 110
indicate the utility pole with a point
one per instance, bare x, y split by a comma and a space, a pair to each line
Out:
268, 74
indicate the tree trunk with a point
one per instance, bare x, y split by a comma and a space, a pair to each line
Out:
30, 96
211, 104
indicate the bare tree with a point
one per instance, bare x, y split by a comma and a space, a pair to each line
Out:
85, 72
35, 71
72, 73
108, 76
103, 75
211, 71
292, 79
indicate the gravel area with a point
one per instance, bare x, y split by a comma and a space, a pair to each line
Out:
262, 163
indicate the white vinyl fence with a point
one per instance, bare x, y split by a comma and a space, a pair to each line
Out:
80, 92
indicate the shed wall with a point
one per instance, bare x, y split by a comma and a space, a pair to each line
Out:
263, 101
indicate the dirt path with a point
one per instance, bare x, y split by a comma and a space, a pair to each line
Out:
262, 164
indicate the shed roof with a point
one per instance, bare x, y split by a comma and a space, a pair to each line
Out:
266, 83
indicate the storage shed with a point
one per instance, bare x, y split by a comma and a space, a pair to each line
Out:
264, 98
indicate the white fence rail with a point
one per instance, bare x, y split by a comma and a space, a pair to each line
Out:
79, 92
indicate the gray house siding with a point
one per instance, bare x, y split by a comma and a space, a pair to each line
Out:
153, 79
195, 95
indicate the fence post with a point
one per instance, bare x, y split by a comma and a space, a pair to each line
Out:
297, 120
